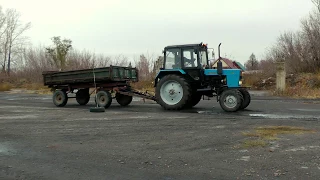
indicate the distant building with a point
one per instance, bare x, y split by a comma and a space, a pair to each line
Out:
228, 64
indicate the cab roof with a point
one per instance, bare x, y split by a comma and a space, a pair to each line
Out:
185, 45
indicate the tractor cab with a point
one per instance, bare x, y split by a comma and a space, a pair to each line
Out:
188, 56
190, 59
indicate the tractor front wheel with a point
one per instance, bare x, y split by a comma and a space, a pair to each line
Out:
230, 100
246, 98
173, 92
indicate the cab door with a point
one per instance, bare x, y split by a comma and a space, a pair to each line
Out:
191, 64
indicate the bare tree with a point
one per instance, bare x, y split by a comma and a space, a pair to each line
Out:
13, 32
300, 50
317, 4
145, 65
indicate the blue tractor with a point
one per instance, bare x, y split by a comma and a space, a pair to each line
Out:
186, 76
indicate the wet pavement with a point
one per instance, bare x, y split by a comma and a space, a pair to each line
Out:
142, 141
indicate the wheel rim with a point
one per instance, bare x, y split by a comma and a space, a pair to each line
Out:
230, 101
58, 98
102, 99
171, 92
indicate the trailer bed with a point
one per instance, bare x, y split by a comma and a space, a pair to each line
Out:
109, 74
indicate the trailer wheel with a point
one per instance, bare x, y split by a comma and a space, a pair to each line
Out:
104, 99
173, 92
123, 100
83, 96
60, 98
246, 98
231, 100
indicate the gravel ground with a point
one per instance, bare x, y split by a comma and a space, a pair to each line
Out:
142, 141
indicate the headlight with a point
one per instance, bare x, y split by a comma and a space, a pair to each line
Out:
240, 83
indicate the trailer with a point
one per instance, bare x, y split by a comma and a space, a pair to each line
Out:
105, 81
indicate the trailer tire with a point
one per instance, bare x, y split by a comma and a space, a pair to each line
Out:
246, 98
175, 98
104, 99
123, 100
60, 98
83, 96
231, 100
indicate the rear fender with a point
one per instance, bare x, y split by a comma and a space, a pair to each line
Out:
165, 72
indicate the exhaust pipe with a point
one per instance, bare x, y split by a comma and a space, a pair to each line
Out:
219, 64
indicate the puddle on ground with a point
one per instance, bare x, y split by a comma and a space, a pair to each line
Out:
28, 98
203, 112
5, 150
19, 117
309, 110
280, 116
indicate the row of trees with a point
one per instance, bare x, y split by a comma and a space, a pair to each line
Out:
19, 59
299, 50
62, 56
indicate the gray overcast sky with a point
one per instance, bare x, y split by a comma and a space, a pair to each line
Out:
140, 26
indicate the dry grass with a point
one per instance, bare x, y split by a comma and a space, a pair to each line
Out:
251, 79
296, 92
144, 86
307, 86
253, 143
36, 88
270, 133
5, 87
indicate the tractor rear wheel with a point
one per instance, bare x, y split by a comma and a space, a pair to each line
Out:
195, 99
123, 100
173, 92
104, 99
246, 98
231, 100
83, 96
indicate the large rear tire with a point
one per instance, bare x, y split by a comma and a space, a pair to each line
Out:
231, 100
104, 99
195, 99
173, 92
246, 98
83, 96
123, 100
60, 98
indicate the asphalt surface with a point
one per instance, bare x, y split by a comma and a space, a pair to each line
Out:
142, 141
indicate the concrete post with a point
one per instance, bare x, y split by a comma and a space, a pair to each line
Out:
281, 76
